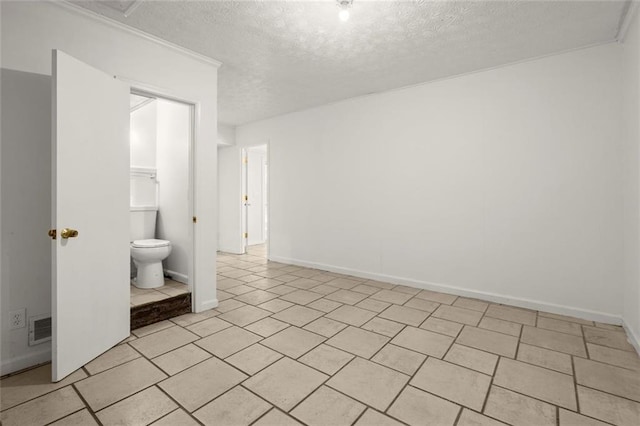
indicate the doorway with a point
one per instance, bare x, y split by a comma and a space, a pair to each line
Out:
255, 211
161, 204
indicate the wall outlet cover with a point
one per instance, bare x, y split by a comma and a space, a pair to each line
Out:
17, 319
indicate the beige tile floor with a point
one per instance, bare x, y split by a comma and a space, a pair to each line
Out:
141, 296
291, 345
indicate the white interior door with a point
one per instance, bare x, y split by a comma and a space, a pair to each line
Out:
245, 201
255, 186
90, 193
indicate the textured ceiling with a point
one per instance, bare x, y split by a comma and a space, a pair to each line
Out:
283, 56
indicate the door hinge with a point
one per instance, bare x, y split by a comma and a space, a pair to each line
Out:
245, 235
245, 160
195, 219
245, 198
52, 234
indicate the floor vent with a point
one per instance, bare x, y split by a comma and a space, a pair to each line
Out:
39, 329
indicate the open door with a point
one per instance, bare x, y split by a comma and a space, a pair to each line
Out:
245, 200
90, 193
256, 161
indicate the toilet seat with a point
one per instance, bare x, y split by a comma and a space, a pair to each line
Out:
152, 243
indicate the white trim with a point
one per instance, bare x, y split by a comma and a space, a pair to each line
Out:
461, 291
176, 276
143, 172
269, 219
141, 104
194, 117
144, 89
143, 208
209, 304
125, 28
229, 250
626, 20
632, 337
28, 360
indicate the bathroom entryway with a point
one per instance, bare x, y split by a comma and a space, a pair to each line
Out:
160, 208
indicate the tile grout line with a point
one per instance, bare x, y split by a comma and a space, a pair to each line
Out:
575, 384
273, 407
86, 404
366, 408
455, 422
180, 406
53, 390
411, 376
555, 405
69, 415
486, 397
157, 384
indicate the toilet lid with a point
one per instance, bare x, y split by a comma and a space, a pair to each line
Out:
150, 243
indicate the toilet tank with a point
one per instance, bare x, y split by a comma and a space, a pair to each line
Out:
142, 223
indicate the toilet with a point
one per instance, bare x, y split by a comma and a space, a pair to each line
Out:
147, 252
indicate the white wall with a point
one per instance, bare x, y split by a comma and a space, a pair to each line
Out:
143, 136
504, 184
226, 135
26, 210
30, 30
172, 157
631, 99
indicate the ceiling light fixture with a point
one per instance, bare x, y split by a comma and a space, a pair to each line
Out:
344, 6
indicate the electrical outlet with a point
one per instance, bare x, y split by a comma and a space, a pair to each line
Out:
17, 318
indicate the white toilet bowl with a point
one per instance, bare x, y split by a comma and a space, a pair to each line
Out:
148, 256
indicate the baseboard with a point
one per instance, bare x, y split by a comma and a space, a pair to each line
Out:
632, 337
176, 276
461, 291
209, 304
18, 363
230, 250
231, 245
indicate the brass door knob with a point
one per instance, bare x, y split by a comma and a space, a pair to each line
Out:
68, 233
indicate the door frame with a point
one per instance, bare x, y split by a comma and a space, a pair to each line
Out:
143, 89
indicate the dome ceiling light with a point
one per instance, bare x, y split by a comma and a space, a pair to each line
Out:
344, 6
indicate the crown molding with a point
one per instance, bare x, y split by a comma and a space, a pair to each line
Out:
626, 20
65, 4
